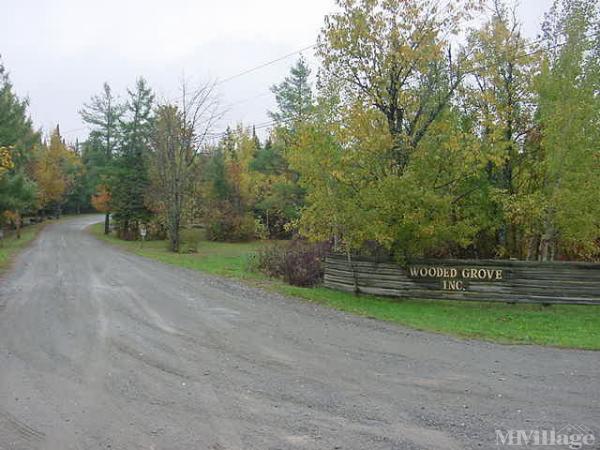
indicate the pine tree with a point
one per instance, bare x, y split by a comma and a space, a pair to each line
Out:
17, 141
130, 176
16, 128
279, 198
294, 95
103, 114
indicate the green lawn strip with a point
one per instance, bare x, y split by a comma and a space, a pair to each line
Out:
225, 259
571, 326
10, 246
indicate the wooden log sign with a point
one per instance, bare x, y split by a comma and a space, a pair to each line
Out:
481, 280
455, 278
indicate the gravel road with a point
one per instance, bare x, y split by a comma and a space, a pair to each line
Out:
100, 349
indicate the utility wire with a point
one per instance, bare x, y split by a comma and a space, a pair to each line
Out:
222, 134
263, 65
256, 127
252, 69
233, 77
248, 99
281, 58
73, 130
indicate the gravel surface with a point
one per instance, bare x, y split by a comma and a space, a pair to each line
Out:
101, 349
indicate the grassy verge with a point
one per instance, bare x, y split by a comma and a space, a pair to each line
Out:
225, 259
570, 326
10, 246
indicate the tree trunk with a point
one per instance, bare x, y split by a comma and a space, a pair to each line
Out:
107, 223
548, 241
533, 247
18, 225
512, 241
174, 221
174, 238
268, 225
123, 230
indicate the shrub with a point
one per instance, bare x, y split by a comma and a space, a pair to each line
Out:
156, 229
224, 225
270, 260
189, 240
298, 262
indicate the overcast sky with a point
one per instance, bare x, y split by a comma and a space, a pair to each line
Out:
59, 52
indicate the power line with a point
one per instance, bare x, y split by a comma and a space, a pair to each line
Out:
548, 48
258, 126
263, 65
73, 130
281, 58
277, 122
253, 69
262, 125
254, 97
233, 77
248, 71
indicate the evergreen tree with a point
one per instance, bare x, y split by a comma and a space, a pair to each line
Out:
294, 95
279, 198
130, 174
78, 199
17, 141
17, 194
103, 114
94, 161
16, 128
216, 174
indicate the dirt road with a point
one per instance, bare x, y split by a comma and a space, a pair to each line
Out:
100, 349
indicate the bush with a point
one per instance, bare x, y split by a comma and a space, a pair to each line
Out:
156, 229
298, 262
189, 240
270, 260
224, 225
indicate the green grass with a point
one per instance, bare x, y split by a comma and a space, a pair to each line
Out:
10, 246
570, 326
225, 259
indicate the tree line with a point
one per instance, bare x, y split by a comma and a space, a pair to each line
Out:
421, 146
421, 134
37, 176
158, 165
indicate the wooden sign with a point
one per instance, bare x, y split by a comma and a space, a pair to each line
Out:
480, 280
455, 278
